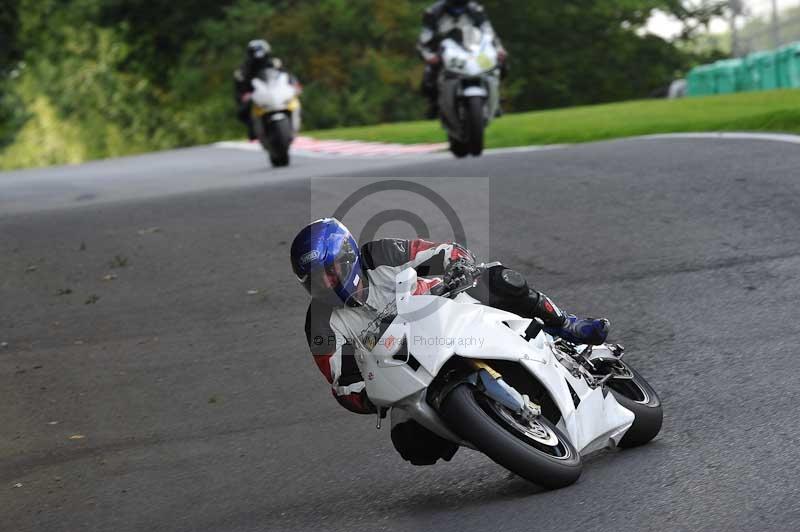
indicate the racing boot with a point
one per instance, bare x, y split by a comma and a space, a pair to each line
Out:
432, 111
251, 131
506, 289
568, 326
582, 330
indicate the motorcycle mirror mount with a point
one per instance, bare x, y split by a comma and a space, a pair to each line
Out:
405, 284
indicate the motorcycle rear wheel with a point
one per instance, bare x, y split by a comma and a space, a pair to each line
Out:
537, 451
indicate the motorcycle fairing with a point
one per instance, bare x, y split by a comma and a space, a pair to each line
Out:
468, 70
274, 93
434, 329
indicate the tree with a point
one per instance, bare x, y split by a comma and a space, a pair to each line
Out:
10, 52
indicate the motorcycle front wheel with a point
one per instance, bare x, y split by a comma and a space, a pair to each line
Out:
458, 148
533, 449
475, 124
280, 138
635, 393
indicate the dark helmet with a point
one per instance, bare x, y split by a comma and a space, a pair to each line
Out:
456, 7
325, 259
259, 52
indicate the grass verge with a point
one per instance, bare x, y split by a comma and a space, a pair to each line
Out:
774, 111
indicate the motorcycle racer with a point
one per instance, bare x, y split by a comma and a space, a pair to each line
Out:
439, 21
257, 57
350, 285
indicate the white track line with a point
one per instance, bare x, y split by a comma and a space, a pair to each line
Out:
773, 137
526, 149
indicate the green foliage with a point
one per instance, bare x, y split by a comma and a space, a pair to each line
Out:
9, 24
113, 77
582, 51
157, 32
12, 114
355, 59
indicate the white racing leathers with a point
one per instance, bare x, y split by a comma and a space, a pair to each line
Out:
438, 24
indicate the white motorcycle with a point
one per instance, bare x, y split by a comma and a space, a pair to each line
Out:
481, 378
469, 88
275, 113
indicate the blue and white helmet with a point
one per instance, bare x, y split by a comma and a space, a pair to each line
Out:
325, 259
259, 53
258, 49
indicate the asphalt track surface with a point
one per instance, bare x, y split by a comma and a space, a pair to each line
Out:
193, 404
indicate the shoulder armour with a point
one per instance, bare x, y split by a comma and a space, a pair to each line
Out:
385, 252
432, 13
477, 12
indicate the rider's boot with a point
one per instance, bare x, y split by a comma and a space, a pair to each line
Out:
251, 132
577, 330
433, 108
430, 91
568, 326
507, 289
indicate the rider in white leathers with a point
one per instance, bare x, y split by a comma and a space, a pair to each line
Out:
349, 286
439, 21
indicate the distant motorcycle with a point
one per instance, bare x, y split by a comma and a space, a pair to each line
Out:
469, 88
275, 113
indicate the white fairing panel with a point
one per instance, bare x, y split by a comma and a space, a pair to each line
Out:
476, 56
435, 328
597, 422
275, 93
475, 91
469, 70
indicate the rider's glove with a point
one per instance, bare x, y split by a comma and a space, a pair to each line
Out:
502, 55
459, 273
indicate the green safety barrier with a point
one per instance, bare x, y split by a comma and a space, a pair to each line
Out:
767, 70
753, 73
700, 81
767, 65
730, 76
789, 66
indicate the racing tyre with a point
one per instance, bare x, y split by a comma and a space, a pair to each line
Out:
279, 160
535, 450
280, 140
458, 148
475, 124
638, 396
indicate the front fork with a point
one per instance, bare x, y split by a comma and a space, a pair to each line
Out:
490, 382
501, 391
